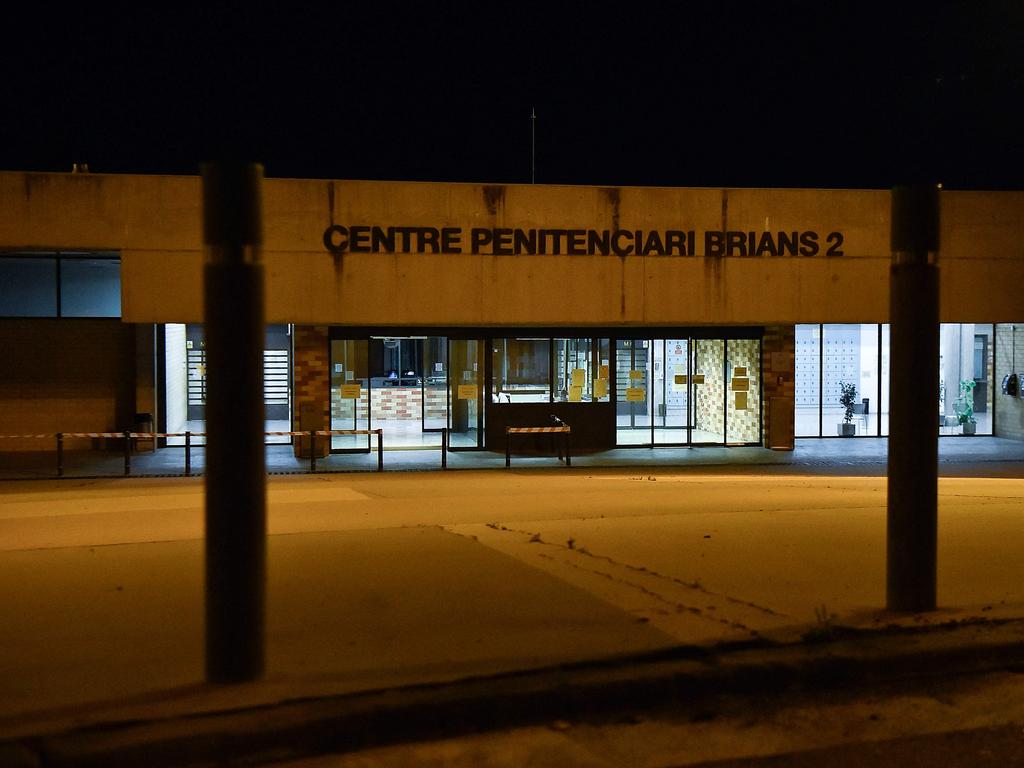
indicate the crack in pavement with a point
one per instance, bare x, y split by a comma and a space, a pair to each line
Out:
678, 607
536, 538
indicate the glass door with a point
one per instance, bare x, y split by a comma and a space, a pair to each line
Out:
707, 382
434, 397
350, 393
465, 393
633, 367
671, 392
743, 391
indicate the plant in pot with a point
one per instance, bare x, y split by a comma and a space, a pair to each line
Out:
847, 396
963, 407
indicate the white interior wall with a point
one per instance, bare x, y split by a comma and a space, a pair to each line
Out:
176, 393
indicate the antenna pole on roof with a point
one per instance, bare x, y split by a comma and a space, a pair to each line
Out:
533, 145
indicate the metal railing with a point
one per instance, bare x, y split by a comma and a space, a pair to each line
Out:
129, 436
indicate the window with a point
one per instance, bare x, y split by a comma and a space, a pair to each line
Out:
28, 287
522, 370
581, 370
60, 285
90, 287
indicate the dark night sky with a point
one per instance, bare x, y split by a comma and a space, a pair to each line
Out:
793, 94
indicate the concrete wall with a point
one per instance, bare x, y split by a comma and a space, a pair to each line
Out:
155, 222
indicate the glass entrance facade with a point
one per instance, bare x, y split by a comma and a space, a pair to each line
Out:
830, 355
687, 391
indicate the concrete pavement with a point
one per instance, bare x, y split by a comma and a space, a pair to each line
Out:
383, 580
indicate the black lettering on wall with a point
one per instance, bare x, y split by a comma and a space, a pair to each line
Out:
675, 241
576, 242
766, 246
360, 240
808, 243
617, 247
380, 239
788, 243
599, 242
451, 240
426, 237
714, 243
525, 242
556, 237
835, 241
654, 244
502, 242
735, 243
478, 238
336, 238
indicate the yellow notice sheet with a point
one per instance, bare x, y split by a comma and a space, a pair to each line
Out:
579, 377
698, 378
351, 391
740, 383
575, 394
603, 372
741, 401
600, 388
636, 395
636, 374
467, 391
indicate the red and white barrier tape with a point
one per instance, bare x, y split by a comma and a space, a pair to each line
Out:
522, 430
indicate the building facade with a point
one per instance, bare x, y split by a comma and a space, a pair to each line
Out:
639, 316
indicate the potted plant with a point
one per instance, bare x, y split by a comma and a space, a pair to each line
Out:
847, 396
963, 407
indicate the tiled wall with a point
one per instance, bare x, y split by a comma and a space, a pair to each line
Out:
1009, 411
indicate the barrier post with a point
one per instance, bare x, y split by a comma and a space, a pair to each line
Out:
127, 452
508, 448
236, 501
444, 447
312, 450
188, 454
60, 454
568, 454
912, 499
380, 450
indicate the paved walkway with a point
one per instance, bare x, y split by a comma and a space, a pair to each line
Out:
377, 580
957, 456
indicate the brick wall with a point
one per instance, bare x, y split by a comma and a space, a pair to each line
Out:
67, 375
311, 374
778, 353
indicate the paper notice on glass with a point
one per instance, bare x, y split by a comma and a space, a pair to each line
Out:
739, 370
698, 378
575, 394
579, 377
636, 374
467, 391
603, 372
679, 377
741, 401
740, 383
636, 394
351, 391
600, 388
349, 375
